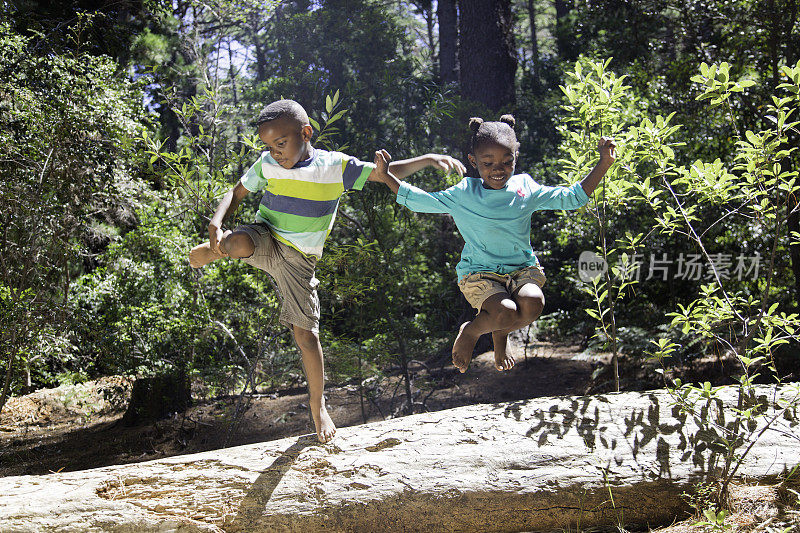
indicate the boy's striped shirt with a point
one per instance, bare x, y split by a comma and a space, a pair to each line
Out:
300, 203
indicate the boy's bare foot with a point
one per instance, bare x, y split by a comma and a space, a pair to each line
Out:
462, 348
202, 254
322, 422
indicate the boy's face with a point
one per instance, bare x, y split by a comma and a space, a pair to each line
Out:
286, 140
495, 163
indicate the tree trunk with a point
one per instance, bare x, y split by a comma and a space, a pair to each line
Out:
569, 463
430, 22
534, 48
157, 397
448, 41
170, 124
11, 353
261, 61
487, 57
782, 21
409, 407
7, 380
564, 39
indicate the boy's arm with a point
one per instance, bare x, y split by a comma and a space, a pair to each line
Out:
227, 206
405, 167
608, 154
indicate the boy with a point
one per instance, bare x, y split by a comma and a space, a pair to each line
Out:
303, 185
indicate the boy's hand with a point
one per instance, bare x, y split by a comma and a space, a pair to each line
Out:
214, 236
447, 163
607, 149
382, 159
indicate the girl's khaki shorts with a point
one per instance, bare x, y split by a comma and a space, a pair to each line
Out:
478, 286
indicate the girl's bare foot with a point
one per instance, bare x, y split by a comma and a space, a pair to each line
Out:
202, 254
462, 348
502, 360
322, 422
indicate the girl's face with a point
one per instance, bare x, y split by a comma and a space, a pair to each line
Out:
495, 163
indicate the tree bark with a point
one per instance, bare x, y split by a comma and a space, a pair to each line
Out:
782, 21
156, 397
534, 47
487, 55
448, 41
563, 38
258, 47
7, 379
562, 463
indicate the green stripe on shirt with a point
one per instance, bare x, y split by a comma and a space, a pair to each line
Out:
362, 179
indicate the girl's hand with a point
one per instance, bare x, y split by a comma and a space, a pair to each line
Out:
447, 163
607, 150
382, 159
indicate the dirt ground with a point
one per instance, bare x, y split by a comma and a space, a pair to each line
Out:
79, 427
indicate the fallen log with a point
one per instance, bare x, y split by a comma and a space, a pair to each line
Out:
534, 465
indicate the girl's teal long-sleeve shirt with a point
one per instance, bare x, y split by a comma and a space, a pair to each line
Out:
495, 223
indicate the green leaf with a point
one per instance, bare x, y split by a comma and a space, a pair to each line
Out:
337, 116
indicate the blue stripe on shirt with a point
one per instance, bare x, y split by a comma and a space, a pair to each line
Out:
351, 173
299, 206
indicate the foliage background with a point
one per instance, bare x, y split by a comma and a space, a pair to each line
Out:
124, 122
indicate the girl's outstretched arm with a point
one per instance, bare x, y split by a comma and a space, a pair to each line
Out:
405, 167
608, 154
412, 197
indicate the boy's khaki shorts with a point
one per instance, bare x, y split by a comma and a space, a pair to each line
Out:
478, 286
293, 273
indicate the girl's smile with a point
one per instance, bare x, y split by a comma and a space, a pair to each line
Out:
495, 163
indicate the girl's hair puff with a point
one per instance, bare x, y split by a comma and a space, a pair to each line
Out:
500, 132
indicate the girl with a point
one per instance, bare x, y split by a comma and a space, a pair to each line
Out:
498, 272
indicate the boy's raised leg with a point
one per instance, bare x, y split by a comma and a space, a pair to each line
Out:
235, 244
202, 254
313, 365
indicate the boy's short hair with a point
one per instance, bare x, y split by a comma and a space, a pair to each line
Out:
281, 108
500, 132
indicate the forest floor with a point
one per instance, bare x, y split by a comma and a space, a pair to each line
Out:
79, 427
